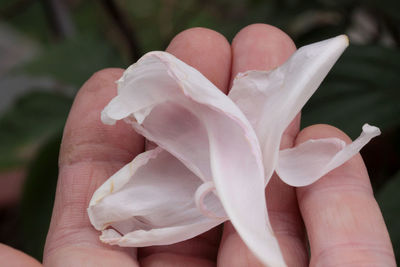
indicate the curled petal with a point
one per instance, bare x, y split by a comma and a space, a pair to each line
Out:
200, 195
271, 100
150, 202
176, 107
309, 161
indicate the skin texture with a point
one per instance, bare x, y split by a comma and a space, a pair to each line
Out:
343, 221
15, 258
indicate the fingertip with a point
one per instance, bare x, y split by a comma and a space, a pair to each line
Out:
260, 47
93, 84
259, 29
354, 167
98, 90
206, 50
106, 74
319, 131
192, 37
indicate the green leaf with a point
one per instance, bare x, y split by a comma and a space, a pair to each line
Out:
31, 20
38, 197
32, 119
203, 19
361, 88
74, 61
389, 199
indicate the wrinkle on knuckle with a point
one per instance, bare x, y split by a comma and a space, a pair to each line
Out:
63, 237
286, 224
93, 152
351, 185
354, 254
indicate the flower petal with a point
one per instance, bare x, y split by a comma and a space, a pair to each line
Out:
150, 202
306, 163
271, 100
190, 118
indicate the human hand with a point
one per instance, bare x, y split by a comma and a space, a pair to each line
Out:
343, 221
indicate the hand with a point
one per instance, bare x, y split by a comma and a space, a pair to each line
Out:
342, 219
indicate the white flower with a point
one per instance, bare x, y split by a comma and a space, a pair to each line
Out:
215, 153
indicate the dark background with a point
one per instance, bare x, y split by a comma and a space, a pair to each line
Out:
49, 48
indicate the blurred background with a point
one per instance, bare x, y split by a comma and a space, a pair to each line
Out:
48, 48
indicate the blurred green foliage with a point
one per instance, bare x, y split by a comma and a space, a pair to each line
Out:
73, 61
362, 87
38, 196
80, 37
29, 122
388, 199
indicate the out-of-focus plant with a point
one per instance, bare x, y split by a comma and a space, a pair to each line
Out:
77, 38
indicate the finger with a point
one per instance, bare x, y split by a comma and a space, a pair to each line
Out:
344, 223
263, 47
210, 53
207, 51
90, 153
16, 258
